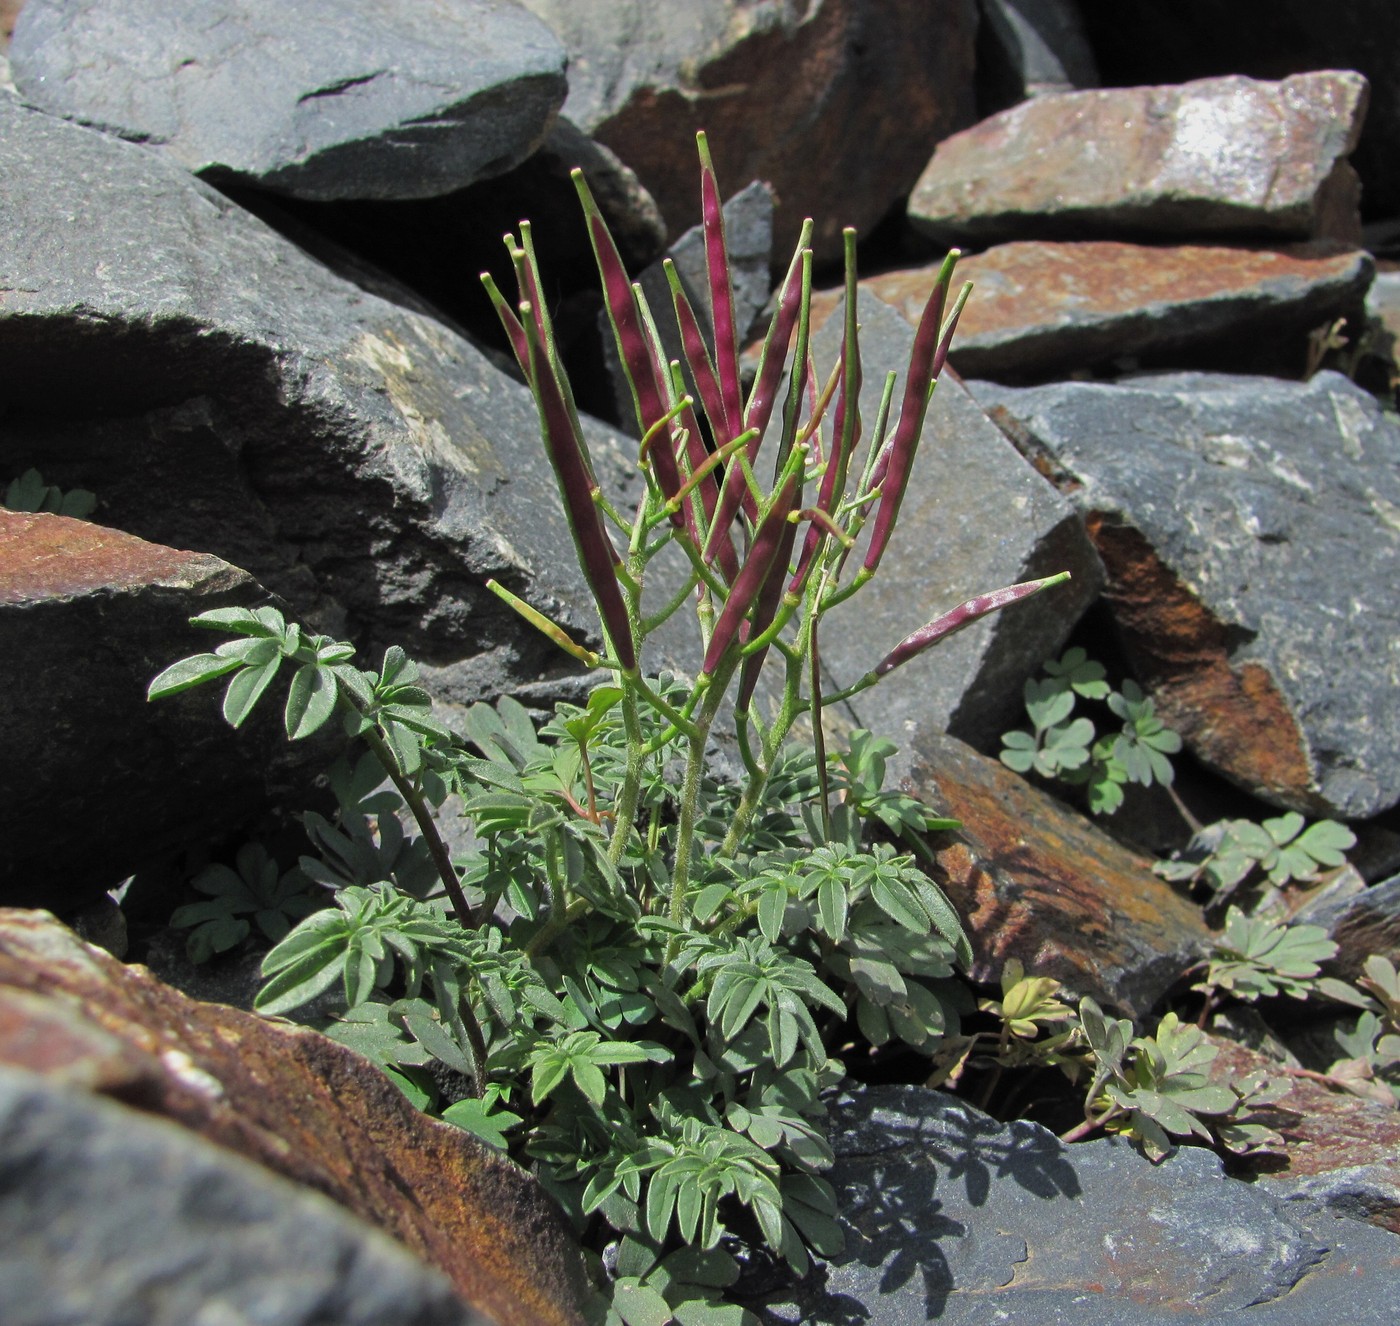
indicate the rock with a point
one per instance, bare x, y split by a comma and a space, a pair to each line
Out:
219, 390
952, 1216
1218, 157
1171, 41
1341, 1152
1026, 48
1360, 923
332, 99
1250, 529
1034, 880
108, 1216
101, 781
297, 1104
974, 519
9, 12
1042, 309
835, 103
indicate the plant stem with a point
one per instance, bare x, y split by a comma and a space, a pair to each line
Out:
427, 826
625, 810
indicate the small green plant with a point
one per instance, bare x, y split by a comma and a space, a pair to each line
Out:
1066, 746
252, 891
30, 493
641, 974
1371, 1066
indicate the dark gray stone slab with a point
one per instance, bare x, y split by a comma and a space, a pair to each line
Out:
109, 1217
955, 1218
976, 517
321, 99
221, 391
1029, 47
1251, 532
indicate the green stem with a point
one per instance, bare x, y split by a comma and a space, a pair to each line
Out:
625, 808
558, 918
427, 826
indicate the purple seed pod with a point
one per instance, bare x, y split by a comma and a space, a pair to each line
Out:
721, 292
770, 594
509, 321
899, 460
568, 457
697, 357
940, 628
763, 555
734, 493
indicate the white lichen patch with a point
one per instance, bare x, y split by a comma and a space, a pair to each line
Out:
185, 1071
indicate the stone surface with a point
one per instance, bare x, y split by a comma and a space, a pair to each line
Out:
221, 391
1026, 48
1043, 309
974, 518
100, 781
1250, 529
1032, 879
1170, 41
1343, 1153
324, 99
836, 103
296, 1103
109, 1217
1218, 157
1363, 923
953, 1217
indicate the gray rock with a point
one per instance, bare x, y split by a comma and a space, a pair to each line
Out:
1217, 157
1031, 47
220, 391
110, 1217
836, 103
1250, 529
951, 1216
976, 517
323, 99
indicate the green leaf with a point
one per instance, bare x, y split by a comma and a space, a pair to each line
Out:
310, 700
246, 689
188, 673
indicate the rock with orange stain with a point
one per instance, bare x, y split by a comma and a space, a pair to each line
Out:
101, 781
296, 1103
1034, 880
1250, 532
1217, 157
1044, 309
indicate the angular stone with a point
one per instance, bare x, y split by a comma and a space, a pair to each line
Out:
1342, 1153
1217, 157
327, 99
1171, 41
219, 390
1033, 880
1250, 529
1363, 923
296, 1103
1043, 309
835, 103
109, 1216
974, 518
954, 1217
1027, 48
96, 782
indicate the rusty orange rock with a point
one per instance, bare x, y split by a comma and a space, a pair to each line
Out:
1034, 880
296, 1102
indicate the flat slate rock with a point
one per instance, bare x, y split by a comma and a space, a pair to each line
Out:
1034, 880
835, 103
308, 1110
322, 99
110, 1217
1214, 158
1250, 529
221, 391
1041, 309
96, 782
975, 517
956, 1218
